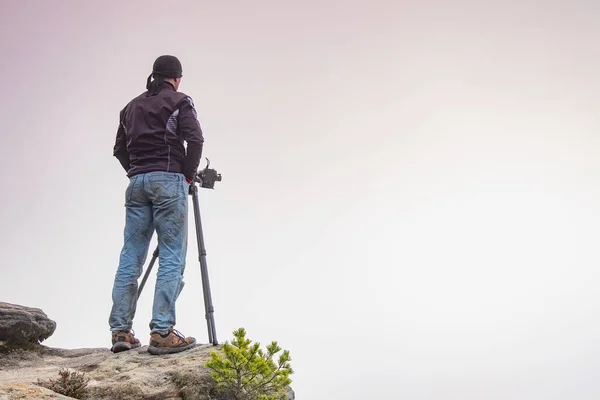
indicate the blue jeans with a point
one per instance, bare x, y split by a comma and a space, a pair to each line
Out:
153, 201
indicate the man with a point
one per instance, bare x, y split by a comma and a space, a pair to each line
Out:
150, 146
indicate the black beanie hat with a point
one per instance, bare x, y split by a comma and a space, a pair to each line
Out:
164, 67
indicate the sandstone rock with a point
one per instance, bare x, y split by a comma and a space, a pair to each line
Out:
130, 375
29, 391
24, 325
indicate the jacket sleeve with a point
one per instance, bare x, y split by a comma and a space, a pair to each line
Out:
189, 130
120, 148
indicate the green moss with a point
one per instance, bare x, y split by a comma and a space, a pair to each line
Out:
195, 386
8, 347
125, 392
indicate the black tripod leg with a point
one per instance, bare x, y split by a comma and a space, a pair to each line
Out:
154, 257
208, 306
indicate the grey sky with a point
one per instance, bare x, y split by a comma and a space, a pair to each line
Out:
410, 199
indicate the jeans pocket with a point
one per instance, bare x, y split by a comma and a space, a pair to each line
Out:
165, 186
129, 190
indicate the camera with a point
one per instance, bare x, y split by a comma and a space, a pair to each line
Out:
208, 176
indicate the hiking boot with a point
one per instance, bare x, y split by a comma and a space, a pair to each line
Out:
124, 340
173, 342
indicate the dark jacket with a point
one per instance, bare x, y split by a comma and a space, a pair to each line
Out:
152, 131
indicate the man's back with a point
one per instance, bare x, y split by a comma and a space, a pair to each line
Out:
152, 131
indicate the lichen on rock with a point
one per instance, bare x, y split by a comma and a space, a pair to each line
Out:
21, 325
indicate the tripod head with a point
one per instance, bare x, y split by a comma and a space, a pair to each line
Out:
207, 176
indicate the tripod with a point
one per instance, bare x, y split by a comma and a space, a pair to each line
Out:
206, 178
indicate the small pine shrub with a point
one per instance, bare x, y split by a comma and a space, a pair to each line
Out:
246, 372
72, 384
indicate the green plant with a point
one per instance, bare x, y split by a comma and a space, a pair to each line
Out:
246, 372
72, 384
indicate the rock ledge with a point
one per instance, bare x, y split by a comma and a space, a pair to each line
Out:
22, 325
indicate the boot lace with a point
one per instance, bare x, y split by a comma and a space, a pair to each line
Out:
178, 334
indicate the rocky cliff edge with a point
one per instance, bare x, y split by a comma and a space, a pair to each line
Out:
129, 375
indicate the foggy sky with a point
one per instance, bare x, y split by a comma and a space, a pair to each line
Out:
410, 199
